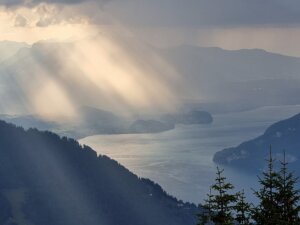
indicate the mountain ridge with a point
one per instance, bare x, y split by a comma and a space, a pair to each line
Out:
63, 183
281, 136
210, 74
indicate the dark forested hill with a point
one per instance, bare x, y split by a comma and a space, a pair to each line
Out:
48, 180
250, 155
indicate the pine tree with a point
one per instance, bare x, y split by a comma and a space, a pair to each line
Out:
288, 196
243, 209
205, 217
222, 202
267, 212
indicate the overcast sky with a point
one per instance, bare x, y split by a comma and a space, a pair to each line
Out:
203, 13
231, 24
191, 13
124, 25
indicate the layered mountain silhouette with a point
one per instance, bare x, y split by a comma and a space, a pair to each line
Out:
45, 179
90, 121
246, 78
251, 155
250, 77
93, 121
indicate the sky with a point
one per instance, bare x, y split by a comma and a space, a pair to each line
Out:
230, 24
122, 34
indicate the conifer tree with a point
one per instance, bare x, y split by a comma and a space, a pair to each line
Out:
288, 196
267, 212
243, 209
205, 217
222, 202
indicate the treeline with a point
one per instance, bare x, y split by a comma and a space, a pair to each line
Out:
278, 199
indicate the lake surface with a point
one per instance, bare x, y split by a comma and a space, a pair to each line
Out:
180, 160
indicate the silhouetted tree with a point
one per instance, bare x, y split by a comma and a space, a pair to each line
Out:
267, 212
222, 203
278, 200
288, 196
243, 209
205, 217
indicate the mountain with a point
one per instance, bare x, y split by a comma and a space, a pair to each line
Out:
237, 65
247, 76
99, 71
45, 179
29, 121
91, 121
168, 122
250, 155
94, 121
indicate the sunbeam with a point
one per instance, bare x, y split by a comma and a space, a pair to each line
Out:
100, 71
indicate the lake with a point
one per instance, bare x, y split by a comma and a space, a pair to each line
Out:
180, 160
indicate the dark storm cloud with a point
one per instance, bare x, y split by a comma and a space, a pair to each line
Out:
206, 12
189, 13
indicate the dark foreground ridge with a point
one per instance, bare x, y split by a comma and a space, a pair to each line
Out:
45, 179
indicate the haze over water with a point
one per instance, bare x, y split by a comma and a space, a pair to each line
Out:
180, 160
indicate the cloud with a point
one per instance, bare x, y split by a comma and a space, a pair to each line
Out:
44, 22
20, 21
34, 2
49, 15
11, 3
205, 13
182, 13
187, 13
43, 14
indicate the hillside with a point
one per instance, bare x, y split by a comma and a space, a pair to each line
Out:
250, 155
246, 76
45, 179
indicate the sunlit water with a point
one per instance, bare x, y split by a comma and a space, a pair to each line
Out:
180, 160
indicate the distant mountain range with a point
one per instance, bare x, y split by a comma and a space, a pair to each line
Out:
94, 121
251, 155
232, 65
77, 73
240, 79
234, 79
45, 179
169, 121
90, 122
